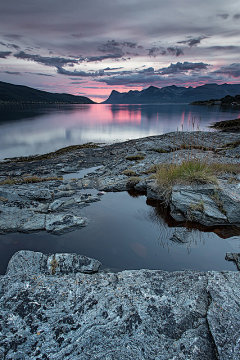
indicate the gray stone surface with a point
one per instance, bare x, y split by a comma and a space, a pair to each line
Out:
58, 224
24, 211
224, 313
33, 263
235, 257
194, 205
141, 314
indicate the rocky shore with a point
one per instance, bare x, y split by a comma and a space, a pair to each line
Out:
31, 201
62, 307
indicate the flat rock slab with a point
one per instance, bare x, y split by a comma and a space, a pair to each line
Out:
139, 314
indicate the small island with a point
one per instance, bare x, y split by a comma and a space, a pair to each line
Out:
225, 101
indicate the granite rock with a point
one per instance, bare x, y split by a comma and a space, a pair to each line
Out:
141, 314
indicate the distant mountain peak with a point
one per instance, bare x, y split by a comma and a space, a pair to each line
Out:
173, 94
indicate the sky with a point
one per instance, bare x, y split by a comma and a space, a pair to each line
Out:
90, 47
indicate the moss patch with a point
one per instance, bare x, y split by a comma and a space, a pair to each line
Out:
28, 180
135, 157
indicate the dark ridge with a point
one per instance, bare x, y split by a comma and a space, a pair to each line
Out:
20, 93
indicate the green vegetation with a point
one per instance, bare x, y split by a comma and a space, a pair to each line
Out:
161, 151
196, 147
191, 171
198, 207
54, 264
225, 101
28, 179
129, 172
219, 202
51, 154
135, 157
132, 181
226, 124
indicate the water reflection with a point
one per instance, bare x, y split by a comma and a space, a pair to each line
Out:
128, 232
36, 129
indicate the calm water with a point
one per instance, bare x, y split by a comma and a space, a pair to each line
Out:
125, 232
33, 129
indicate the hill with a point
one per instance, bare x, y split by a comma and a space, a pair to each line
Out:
173, 94
20, 93
226, 101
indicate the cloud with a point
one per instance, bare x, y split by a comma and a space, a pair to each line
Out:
154, 51
150, 76
4, 54
11, 72
13, 36
236, 16
183, 68
232, 70
80, 73
77, 36
76, 82
103, 57
10, 45
130, 79
149, 70
175, 51
130, 44
223, 16
193, 41
111, 47
50, 61
224, 48
41, 74
109, 69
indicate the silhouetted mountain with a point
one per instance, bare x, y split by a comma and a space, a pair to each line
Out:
173, 94
20, 93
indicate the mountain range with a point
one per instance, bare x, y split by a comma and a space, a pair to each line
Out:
20, 93
173, 94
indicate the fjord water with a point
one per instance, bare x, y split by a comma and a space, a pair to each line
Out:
37, 129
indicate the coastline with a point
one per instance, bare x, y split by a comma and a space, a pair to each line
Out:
53, 312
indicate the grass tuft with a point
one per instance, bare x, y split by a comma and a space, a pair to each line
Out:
129, 172
135, 157
28, 180
188, 172
132, 181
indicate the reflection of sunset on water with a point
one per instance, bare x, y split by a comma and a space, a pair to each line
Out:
32, 129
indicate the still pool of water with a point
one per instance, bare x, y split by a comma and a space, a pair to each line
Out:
33, 129
128, 232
